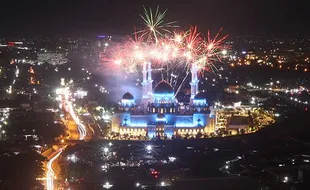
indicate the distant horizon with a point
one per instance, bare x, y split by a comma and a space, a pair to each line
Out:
118, 35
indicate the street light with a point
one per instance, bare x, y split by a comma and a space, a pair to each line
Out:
137, 184
172, 159
105, 149
107, 185
285, 179
162, 184
104, 167
72, 158
149, 147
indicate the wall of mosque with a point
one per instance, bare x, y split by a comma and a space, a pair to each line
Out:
161, 116
163, 98
193, 120
169, 125
128, 103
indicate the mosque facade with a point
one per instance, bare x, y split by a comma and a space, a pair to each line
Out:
159, 114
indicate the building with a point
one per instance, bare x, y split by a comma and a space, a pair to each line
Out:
238, 125
159, 114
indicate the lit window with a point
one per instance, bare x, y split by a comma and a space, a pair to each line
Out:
153, 110
170, 110
161, 110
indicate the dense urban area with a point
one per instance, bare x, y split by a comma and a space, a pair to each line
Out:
162, 107
57, 104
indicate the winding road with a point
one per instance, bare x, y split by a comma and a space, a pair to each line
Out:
50, 174
77, 130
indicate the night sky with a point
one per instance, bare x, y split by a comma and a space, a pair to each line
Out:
237, 17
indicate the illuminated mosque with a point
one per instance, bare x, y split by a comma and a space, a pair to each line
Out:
159, 114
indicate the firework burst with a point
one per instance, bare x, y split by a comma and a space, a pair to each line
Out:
172, 53
155, 25
212, 50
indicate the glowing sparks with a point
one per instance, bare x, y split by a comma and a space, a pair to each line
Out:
155, 25
210, 46
118, 62
178, 38
169, 51
139, 55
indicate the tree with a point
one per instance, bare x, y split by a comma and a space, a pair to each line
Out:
32, 123
21, 171
78, 170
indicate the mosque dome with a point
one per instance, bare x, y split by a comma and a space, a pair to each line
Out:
127, 96
163, 87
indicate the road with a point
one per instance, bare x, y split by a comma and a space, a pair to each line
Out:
50, 174
81, 127
72, 129
77, 131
